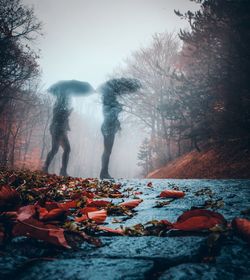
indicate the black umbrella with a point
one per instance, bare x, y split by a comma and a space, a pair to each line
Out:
71, 87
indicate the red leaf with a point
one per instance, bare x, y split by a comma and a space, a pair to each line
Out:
131, 204
28, 226
54, 214
196, 220
9, 198
98, 216
172, 194
111, 230
42, 212
99, 203
201, 212
196, 224
242, 227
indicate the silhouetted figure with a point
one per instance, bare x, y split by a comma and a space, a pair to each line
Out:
59, 127
111, 109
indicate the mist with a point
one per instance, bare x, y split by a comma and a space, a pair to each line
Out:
86, 142
89, 41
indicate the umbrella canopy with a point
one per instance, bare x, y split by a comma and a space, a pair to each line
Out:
121, 86
71, 87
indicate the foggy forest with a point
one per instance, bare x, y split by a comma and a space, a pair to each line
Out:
187, 98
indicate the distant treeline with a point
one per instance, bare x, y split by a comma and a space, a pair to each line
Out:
23, 113
195, 87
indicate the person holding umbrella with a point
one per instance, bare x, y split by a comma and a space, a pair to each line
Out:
63, 91
110, 91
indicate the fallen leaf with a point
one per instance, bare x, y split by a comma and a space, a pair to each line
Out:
131, 204
98, 216
172, 194
198, 219
54, 214
27, 225
111, 230
242, 227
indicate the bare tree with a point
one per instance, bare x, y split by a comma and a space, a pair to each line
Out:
153, 67
18, 27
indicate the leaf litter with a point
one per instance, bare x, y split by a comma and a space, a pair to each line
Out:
64, 211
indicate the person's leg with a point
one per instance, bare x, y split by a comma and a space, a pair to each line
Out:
65, 158
108, 145
52, 152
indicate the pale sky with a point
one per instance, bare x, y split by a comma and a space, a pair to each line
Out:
88, 39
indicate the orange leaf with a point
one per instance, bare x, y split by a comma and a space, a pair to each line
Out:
98, 216
172, 194
242, 227
131, 204
111, 230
